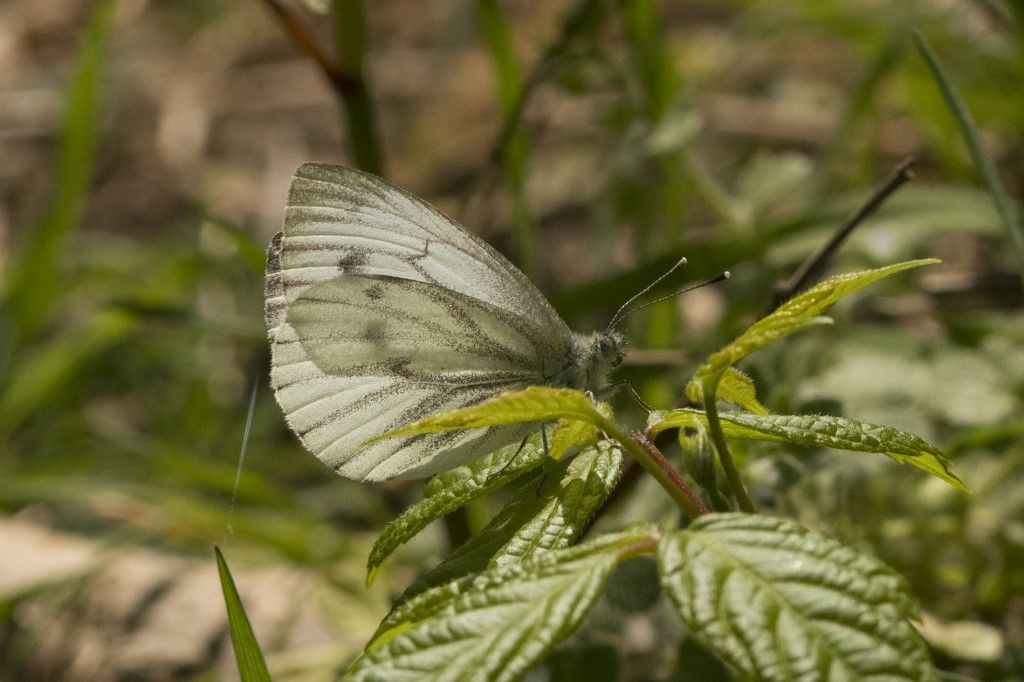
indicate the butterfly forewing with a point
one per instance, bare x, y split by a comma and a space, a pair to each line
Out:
343, 221
382, 311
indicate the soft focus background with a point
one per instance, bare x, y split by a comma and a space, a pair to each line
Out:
145, 153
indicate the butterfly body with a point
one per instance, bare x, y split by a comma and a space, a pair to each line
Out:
381, 311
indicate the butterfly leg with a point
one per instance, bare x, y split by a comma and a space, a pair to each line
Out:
544, 475
610, 389
513, 458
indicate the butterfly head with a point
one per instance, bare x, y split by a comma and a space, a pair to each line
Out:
599, 354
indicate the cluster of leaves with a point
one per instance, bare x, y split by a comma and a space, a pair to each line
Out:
771, 598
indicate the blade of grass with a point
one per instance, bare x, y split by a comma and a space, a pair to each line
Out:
251, 665
46, 371
1007, 211
35, 281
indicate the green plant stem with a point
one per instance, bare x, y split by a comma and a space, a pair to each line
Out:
656, 464
575, 21
350, 83
718, 438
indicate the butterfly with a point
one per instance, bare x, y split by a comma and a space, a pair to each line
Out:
381, 310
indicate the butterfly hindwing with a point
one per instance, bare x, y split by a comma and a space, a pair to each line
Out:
334, 415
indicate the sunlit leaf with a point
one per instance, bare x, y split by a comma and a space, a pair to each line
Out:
453, 489
819, 431
795, 314
550, 511
781, 602
563, 507
533, 404
756, 337
734, 387
570, 435
498, 624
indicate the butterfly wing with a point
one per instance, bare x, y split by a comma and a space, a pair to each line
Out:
382, 311
343, 221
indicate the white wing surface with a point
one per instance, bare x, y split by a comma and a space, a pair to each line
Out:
381, 311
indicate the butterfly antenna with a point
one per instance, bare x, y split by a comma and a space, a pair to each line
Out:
714, 280
617, 317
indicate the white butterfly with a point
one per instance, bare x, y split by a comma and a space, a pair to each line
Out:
381, 311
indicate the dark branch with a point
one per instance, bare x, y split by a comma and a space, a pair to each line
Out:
813, 266
307, 43
346, 80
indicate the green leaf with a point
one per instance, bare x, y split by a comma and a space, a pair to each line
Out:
251, 666
453, 489
780, 602
734, 387
819, 431
498, 624
570, 435
35, 281
797, 313
560, 511
533, 404
754, 338
550, 511
1008, 213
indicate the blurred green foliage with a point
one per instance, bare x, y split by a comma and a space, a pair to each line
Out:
127, 360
